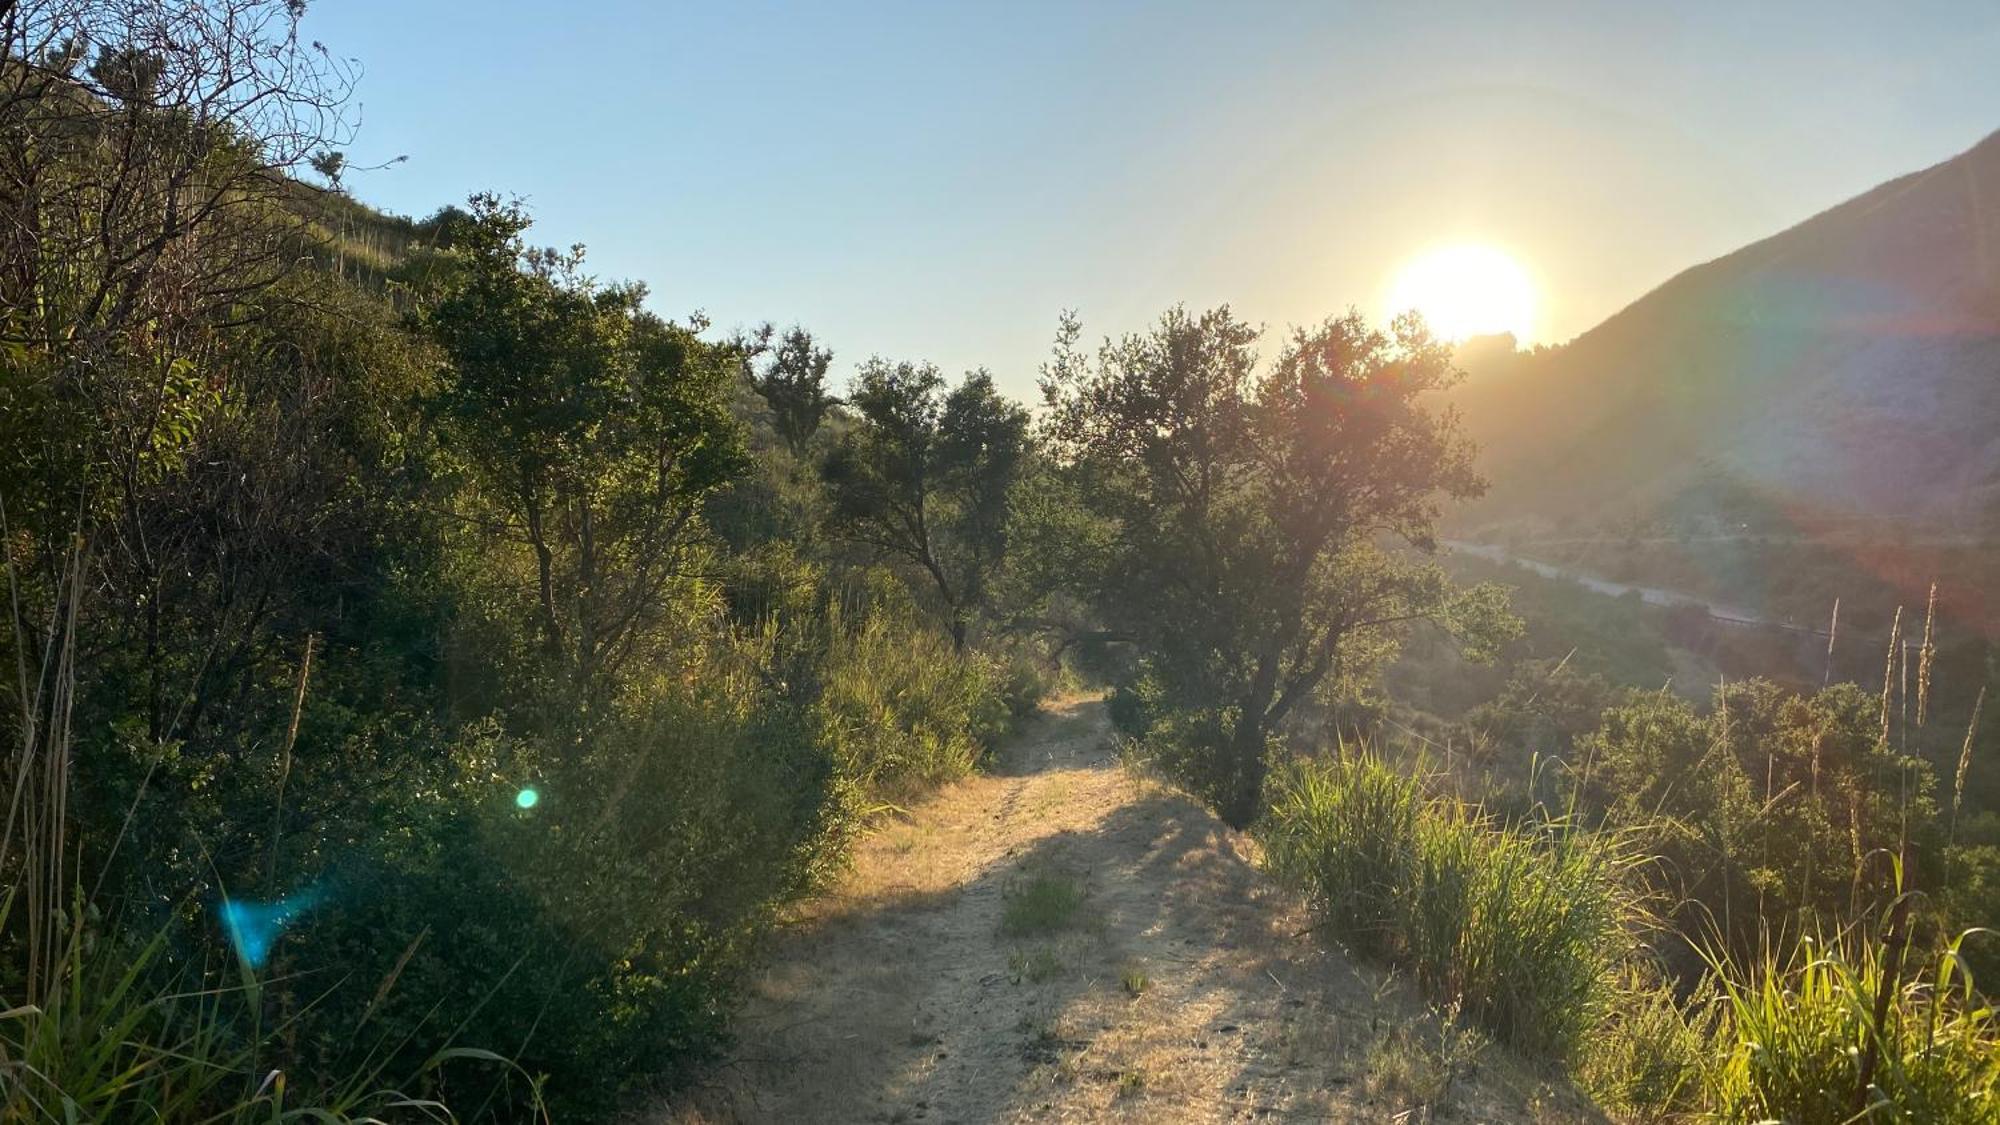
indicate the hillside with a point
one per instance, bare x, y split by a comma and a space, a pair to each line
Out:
1843, 368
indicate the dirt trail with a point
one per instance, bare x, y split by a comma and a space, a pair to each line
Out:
1181, 989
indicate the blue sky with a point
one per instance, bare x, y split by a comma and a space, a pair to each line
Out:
937, 181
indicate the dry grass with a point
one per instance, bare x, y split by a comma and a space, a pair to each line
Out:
1035, 966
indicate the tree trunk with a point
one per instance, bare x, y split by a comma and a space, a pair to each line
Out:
552, 632
1244, 767
1242, 796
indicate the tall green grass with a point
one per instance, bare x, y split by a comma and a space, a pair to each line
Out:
1833, 1032
120, 1035
1528, 928
1521, 926
1646, 1060
1043, 904
900, 711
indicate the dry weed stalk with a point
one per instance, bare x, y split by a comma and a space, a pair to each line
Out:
1889, 670
1958, 783
1925, 656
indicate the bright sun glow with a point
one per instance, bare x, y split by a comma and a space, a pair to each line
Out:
1467, 290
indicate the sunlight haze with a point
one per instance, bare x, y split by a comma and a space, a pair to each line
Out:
937, 182
1466, 290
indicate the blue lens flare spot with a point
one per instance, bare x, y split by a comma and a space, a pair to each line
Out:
254, 927
527, 798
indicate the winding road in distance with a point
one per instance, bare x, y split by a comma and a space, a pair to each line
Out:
1651, 595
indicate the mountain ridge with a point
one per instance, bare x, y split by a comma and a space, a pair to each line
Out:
1843, 367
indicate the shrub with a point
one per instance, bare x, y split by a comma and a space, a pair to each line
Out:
1022, 681
1136, 704
1763, 809
901, 711
1194, 748
598, 936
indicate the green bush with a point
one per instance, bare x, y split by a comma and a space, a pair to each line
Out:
1135, 704
901, 711
1195, 748
597, 936
1023, 680
1765, 809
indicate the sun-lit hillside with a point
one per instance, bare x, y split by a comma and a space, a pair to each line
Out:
1844, 367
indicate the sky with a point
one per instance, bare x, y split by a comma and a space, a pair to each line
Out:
939, 181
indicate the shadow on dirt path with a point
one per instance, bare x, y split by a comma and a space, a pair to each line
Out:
1180, 985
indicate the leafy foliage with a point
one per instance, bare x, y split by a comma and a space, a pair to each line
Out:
1772, 809
793, 384
589, 431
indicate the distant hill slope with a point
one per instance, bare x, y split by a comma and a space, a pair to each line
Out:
1847, 367
355, 240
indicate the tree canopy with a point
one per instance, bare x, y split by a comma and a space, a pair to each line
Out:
1265, 531
591, 429
925, 476
792, 381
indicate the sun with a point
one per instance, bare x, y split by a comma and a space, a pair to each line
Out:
1466, 290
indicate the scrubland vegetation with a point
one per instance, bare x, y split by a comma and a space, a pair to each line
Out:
1761, 910
433, 677
433, 673
1538, 931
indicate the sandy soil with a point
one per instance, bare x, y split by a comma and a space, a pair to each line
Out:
1184, 988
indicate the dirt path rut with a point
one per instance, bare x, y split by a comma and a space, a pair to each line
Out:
1180, 987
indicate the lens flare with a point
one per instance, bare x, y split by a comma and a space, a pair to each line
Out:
527, 798
254, 927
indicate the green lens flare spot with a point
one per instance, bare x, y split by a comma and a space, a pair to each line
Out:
527, 798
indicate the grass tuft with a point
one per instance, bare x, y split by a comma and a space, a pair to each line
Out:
1520, 927
1035, 966
1044, 904
1795, 1038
